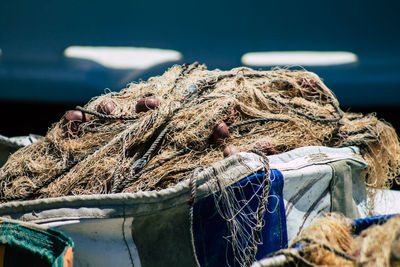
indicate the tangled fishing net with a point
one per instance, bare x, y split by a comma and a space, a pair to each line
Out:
332, 241
153, 134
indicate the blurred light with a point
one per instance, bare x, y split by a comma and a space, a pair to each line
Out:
302, 58
123, 57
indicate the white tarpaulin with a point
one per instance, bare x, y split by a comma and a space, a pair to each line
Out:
123, 228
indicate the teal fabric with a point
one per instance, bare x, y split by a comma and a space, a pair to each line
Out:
32, 245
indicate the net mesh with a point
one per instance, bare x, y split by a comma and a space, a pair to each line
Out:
242, 206
331, 241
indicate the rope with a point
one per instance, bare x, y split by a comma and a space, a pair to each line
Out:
283, 258
102, 129
314, 119
209, 83
120, 185
256, 231
236, 125
255, 75
185, 71
359, 142
106, 117
189, 68
193, 192
216, 116
144, 159
360, 131
259, 153
116, 179
130, 179
335, 251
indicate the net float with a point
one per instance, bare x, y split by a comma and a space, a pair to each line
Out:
266, 147
230, 150
147, 103
106, 106
219, 132
72, 119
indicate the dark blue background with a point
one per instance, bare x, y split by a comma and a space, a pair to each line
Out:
34, 34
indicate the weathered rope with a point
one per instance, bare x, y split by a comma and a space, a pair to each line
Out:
236, 125
102, 129
106, 117
131, 179
191, 201
314, 119
116, 178
358, 142
335, 251
262, 202
209, 83
360, 131
144, 159
189, 68
136, 169
283, 258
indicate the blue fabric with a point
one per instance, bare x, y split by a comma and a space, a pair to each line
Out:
211, 230
364, 223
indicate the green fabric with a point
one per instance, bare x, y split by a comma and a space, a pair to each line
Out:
34, 246
347, 186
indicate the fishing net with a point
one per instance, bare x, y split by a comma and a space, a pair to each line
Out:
328, 242
334, 241
242, 206
379, 245
153, 134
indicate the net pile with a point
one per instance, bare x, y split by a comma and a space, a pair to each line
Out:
153, 134
379, 245
331, 241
